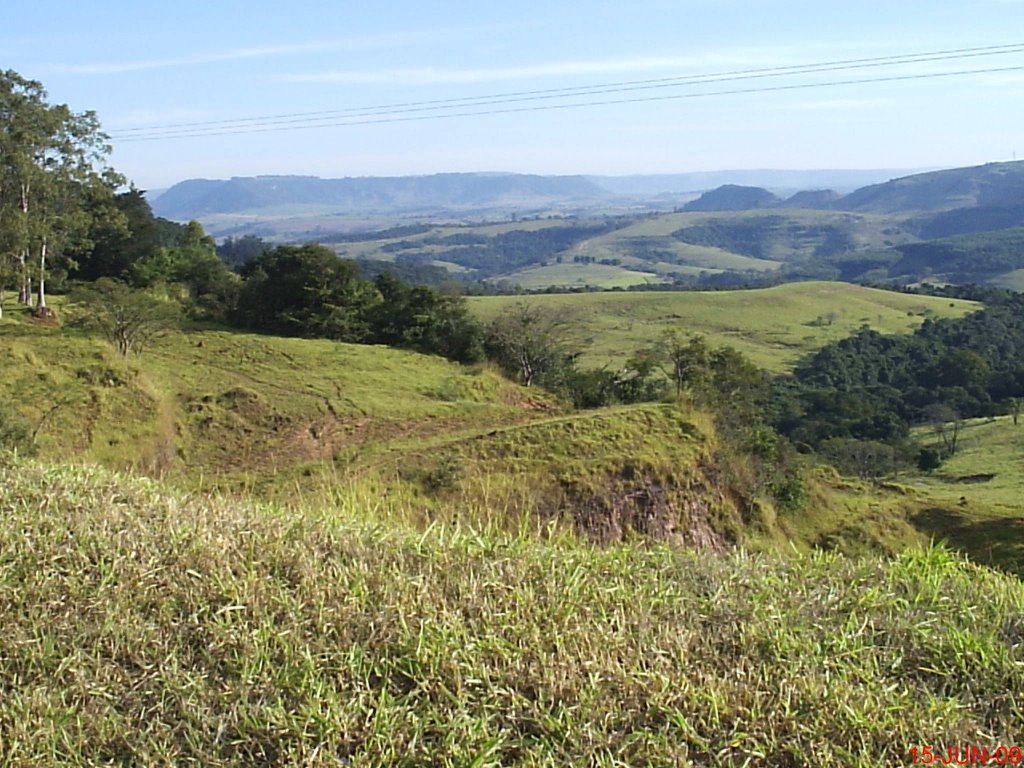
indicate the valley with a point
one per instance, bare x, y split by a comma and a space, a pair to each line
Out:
575, 235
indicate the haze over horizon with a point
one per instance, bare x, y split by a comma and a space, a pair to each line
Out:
569, 88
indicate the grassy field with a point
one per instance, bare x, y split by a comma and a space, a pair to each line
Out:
146, 628
976, 495
772, 326
572, 275
275, 417
285, 418
656, 233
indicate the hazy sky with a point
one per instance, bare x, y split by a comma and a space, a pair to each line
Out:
149, 66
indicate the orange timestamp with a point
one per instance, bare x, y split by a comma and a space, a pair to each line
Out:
1001, 755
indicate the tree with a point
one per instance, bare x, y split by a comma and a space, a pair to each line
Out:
947, 423
869, 459
686, 362
240, 251
306, 291
421, 318
123, 232
8, 272
128, 318
204, 281
51, 161
531, 343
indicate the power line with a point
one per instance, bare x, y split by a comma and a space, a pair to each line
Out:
584, 90
448, 108
548, 107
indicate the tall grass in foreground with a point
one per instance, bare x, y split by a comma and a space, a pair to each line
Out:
143, 628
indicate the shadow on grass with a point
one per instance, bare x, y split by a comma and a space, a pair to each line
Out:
993, 541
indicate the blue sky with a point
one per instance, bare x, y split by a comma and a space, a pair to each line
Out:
149, 66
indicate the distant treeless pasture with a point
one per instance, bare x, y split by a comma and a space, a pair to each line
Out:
773, 326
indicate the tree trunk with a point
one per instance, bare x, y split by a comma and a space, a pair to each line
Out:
25, 281
25, 290
42, 276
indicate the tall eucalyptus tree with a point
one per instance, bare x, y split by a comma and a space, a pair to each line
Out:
51, 160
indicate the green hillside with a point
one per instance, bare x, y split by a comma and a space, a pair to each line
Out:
772, 326
983, 257
572, 234
427, 588
977, 492
964, 258
867, 243
277, 417
427, 439
580, 276
210, 403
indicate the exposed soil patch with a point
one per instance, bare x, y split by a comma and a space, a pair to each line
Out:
649, 508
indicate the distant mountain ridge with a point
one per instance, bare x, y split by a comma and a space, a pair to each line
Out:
199, 197
992, 184
943, 203
954, 201
257, 195
779, 181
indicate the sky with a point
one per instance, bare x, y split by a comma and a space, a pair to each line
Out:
400, 87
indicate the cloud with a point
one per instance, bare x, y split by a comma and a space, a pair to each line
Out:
365, 42
441, 76
694, 64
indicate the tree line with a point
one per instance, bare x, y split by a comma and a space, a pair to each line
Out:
869, 390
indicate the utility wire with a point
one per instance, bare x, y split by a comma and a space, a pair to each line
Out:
448, 108
583, 90
547, 107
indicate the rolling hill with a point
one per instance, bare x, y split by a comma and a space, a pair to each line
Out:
772, 326
983, 185
779, 181
415, 438
733, 197
994, 184
276, 197
741, 246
